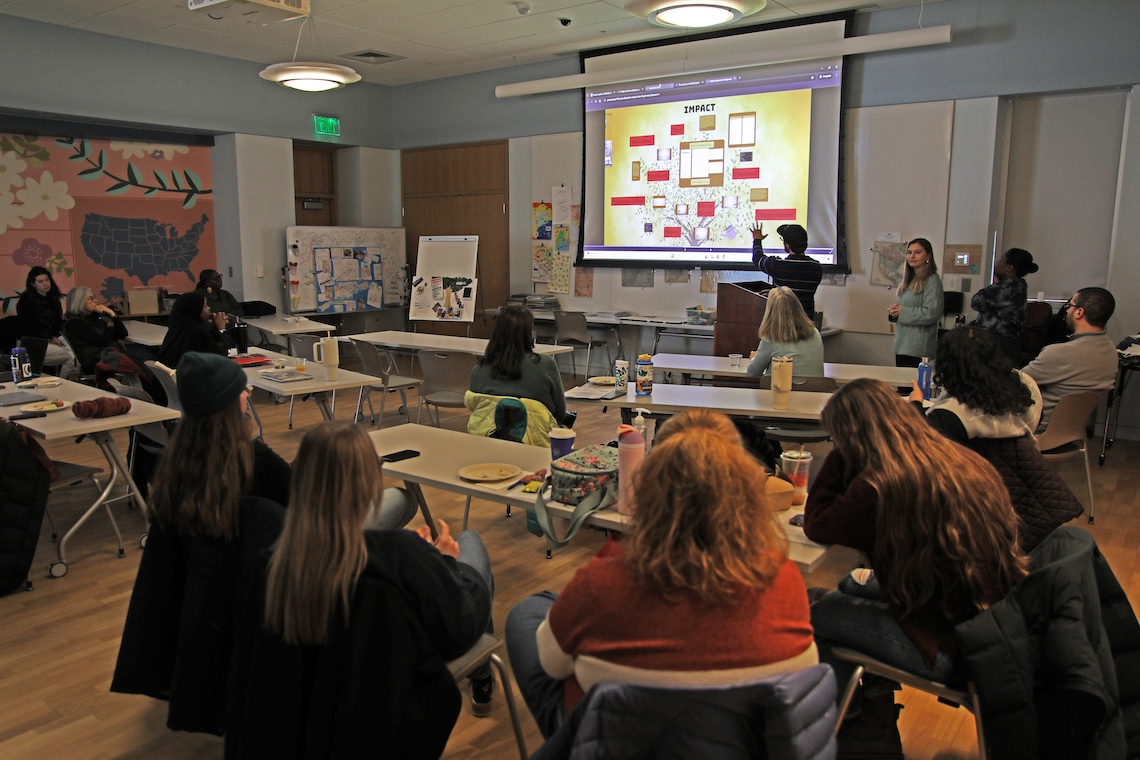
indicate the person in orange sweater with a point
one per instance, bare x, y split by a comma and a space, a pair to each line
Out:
704, 554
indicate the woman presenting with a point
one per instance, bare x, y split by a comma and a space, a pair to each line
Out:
919, 307
1001, 306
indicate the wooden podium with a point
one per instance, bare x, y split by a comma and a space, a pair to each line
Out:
739, 310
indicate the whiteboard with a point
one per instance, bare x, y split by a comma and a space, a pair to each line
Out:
334, 270
451, 255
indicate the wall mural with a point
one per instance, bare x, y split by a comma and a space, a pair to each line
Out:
107, 214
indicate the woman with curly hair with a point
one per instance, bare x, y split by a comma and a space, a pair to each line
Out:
1001, 306
787, 331
934, 518
982, 395
703, 554
919, 308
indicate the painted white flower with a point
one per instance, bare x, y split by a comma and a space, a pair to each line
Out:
44, 196
9, 213
11, 170
131, 150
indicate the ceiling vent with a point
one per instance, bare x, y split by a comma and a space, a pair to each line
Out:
373, 57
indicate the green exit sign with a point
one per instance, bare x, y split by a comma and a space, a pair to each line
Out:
326, 125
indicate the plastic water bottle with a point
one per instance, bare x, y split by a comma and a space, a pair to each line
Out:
19, 364
925, 372
631, 450
644, 375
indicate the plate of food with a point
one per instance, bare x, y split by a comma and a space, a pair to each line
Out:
604, 380
490, 472
56, 405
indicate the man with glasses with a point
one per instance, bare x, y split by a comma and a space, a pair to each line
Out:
1086, 362
797, 270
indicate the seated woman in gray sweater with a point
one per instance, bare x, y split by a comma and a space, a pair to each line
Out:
787, 331
510, 367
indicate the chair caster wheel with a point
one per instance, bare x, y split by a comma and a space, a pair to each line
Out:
549, 555
57, 569
122, 553
142, 540
54, 536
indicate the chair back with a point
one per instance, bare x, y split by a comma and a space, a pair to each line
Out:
788, 716
1067, 424
571, 326
166, 380
155, 433
301, 344
805, 383
446, 371
372, 362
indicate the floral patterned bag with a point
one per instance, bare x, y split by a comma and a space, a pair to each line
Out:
586, 479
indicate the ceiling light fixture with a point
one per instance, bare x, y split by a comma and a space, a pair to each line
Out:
309, 76
693, 14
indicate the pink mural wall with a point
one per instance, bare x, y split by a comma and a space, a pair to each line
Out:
107, 214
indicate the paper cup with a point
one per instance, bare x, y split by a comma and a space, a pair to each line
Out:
561, 442
781, 382
797, 466
621, 374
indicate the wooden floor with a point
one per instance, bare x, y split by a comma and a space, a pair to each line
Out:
58, 643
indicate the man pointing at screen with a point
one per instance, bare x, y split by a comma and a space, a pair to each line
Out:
797, 271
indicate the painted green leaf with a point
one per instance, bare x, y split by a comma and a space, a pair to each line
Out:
191, 199
102, 159
93, 173
117, 188
161, 178
177, 182
192, 180
84, 148
133, 174
6, 145
64, 141
68, 271
151, 191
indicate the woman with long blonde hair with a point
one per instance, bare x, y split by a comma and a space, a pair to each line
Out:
919, 307
787, 331
704, 553
934, 518
327, 550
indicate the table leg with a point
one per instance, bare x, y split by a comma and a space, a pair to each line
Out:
327, 412
417, 493
256, 417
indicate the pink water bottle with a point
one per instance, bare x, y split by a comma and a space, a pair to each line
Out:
631, 450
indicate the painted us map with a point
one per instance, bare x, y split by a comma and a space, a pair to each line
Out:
144, 248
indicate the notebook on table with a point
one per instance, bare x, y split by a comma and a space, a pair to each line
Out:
252, 360
285, 375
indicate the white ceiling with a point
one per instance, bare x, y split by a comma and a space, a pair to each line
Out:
434, 38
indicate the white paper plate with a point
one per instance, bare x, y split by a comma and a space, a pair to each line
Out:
603, 380
490, 472
45, 406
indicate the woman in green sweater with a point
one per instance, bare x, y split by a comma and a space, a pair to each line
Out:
919, 307
510, 367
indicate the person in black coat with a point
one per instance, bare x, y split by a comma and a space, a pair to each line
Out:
90, 327
216, 504
41, 314
192, 327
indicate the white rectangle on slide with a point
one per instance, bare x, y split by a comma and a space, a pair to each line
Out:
686, 164
701, 162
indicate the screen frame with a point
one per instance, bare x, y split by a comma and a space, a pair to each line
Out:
842, 262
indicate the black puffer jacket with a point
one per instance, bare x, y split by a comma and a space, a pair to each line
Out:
1057, 662
24, 485
1040, 498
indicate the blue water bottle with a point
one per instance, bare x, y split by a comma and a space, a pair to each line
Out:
925, 371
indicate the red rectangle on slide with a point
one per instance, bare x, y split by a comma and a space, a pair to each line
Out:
706, 208
746, 172
628, 200
676, 129
638, 141
672, 232
775, 214
658, 176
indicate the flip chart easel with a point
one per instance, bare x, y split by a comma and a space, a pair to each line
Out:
444, 286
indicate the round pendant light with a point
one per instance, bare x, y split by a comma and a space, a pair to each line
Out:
309, 76
693, 14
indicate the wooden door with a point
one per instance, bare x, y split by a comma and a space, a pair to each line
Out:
314, 185
461, 190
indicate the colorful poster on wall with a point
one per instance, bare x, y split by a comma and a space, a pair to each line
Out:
111, 215
541, 216
561, 236
560, 274
543, 262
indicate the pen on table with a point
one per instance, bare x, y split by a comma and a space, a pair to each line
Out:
516, 483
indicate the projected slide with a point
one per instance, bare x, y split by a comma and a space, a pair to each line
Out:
699, 173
